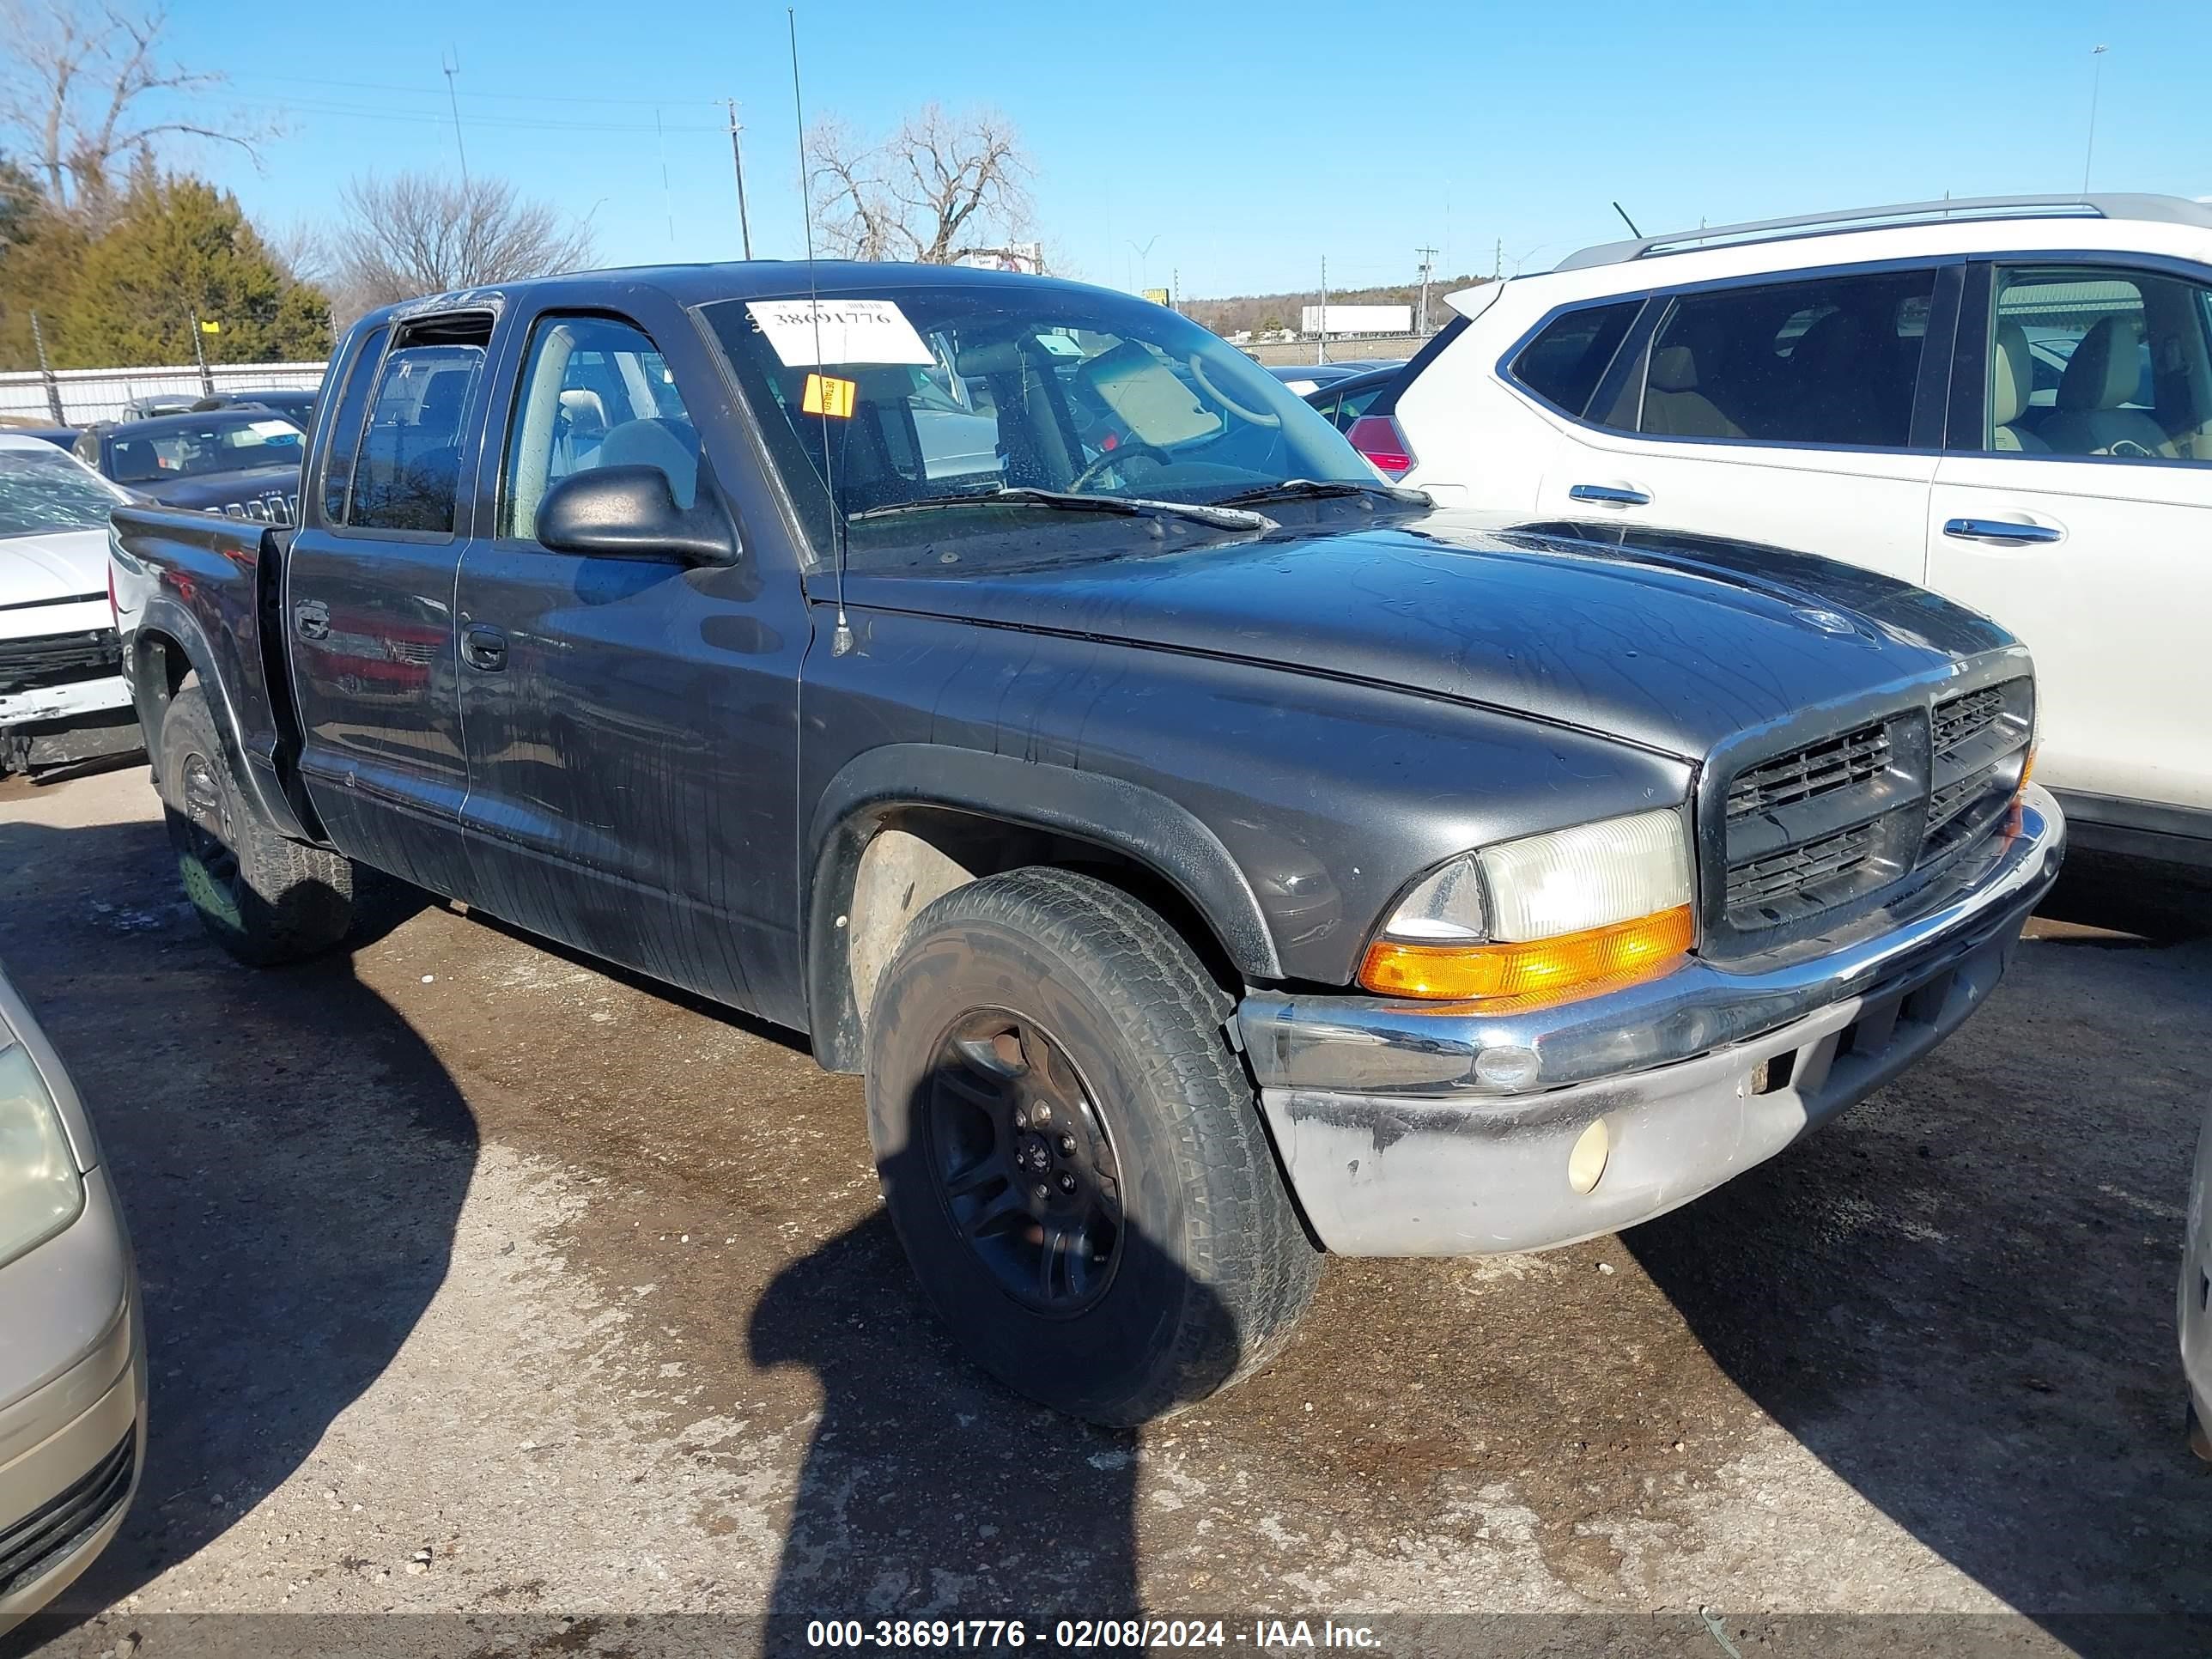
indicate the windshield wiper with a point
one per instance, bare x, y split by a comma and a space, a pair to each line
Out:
1315, 489
1218, 515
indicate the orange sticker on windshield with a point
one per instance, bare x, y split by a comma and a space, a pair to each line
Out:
825, 394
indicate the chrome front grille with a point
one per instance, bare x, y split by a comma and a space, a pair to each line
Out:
1833, 824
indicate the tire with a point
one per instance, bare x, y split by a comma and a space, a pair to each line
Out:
1042, 1029
264, 898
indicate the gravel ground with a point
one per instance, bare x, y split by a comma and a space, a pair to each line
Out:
480, 1282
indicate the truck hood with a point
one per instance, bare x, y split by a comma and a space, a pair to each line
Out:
1674, 643
61, 564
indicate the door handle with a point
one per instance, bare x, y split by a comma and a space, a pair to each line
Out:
483, 649
312, 619
2000, 530
1611, 495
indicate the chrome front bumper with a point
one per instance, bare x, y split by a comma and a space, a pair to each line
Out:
1410, 1128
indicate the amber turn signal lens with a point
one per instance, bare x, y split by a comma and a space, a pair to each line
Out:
1533, 971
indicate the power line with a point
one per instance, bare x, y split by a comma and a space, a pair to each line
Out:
432, 92
354, 111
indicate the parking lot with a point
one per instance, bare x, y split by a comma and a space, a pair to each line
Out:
479, 1281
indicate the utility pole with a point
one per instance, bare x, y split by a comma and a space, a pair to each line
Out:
1321, 334
1497, 262
738, 160
199, 356
47, 372
1428, 258
2096, 79
451, 62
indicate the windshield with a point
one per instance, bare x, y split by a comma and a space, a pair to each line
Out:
947, 390
214, 444
43, 489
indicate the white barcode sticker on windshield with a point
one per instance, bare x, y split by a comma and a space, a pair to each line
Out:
272, 429
849, 331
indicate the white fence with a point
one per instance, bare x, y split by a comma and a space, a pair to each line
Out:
99, 394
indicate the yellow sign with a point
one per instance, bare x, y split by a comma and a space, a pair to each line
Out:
825, 394
1158, 296
210, 328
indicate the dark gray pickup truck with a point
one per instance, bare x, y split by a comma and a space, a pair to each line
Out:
1210, 856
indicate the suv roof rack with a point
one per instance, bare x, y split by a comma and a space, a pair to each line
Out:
2161, 209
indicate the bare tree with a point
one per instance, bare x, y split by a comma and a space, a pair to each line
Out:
89, 88
417, 232
940, 183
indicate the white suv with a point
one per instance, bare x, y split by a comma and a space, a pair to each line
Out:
2009, 401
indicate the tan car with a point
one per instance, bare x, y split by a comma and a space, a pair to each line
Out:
73, 1363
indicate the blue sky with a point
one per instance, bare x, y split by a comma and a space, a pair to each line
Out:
1243, 143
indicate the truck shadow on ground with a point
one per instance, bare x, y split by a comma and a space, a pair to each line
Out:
1960, 1297
292, 1159
928, 1489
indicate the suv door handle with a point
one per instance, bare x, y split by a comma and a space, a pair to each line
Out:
483, 649
1611, 495
2000, 530
312, 619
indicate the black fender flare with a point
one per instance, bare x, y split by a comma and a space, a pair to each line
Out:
1120, 817
259, 785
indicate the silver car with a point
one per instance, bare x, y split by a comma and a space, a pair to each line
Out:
72, 1341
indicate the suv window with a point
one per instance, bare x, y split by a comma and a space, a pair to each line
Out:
1563, 364
1833, 360
595, 393
409, 466
2088, 361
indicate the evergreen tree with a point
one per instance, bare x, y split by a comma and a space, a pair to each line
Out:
180, 248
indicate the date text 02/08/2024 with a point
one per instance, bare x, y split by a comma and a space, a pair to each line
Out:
1262, 1633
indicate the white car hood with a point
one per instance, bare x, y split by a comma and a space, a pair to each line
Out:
61, 564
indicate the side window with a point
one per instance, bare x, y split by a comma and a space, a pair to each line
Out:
1563, 364
345, 425
408, 469
1834, 361
2089, 362
595, 393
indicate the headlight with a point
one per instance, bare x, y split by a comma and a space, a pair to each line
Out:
40, 1191
1545, 918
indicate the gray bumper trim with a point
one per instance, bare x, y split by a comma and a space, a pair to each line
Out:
1374, 1046
1398, 1175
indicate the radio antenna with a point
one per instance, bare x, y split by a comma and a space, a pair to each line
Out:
841, 641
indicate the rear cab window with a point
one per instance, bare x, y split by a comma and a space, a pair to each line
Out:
406, 470
346, 415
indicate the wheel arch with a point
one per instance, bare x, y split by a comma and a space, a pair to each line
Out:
167, 646
903, 823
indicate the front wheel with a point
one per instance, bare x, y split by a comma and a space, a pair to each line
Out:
265, 899
1071, 1154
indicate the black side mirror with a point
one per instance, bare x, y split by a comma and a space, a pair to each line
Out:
630, 512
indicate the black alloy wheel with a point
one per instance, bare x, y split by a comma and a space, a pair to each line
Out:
1023, 1163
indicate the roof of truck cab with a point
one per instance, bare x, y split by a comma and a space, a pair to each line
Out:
752, 279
